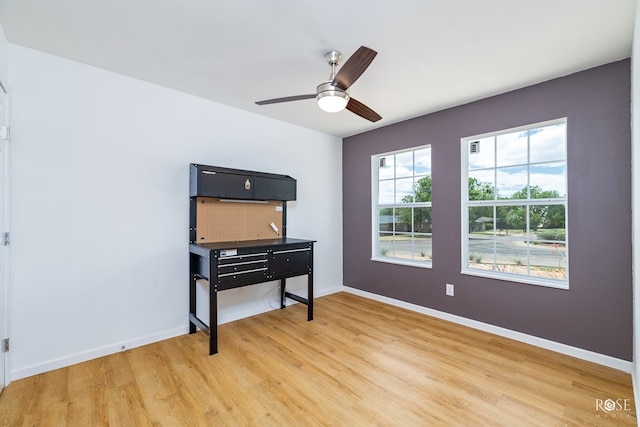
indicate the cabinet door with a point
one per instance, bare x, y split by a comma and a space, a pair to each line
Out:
291, 262
226, 185
275, 188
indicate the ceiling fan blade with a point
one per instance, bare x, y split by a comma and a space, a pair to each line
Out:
354, 67
362, 110
286, 99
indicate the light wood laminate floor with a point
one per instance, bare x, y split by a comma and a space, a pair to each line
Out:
359, 363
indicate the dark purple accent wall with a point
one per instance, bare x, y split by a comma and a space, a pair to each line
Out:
596, 312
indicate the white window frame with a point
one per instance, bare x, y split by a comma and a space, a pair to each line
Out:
466, 204
376, 255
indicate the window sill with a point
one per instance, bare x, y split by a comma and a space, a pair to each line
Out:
409, 263
526, 280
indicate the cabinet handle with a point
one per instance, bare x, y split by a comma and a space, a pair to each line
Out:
292, 250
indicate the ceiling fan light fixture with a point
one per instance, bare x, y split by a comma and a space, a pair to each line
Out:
331, 99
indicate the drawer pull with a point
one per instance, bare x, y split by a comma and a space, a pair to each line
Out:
261, 261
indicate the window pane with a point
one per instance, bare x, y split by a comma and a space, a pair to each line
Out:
480, 253
512, 183
404, 190
385, 192
422, 247
385, 219
403, 246
385, 244
549, 180
386, 167
423, 161
404, 164
511, 220
483, 154
481, 185
548, 143
481, 220
512, 255
404, 219
549, 260
423, 189
422, 220
512, 149
548, 220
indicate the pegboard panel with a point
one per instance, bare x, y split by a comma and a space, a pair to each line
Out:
225, 221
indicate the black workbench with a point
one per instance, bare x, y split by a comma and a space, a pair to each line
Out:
228, 265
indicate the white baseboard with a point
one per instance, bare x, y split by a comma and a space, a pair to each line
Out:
94, 354
579, 353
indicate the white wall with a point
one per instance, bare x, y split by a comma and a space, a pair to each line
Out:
4, 54
635, 185
100, 200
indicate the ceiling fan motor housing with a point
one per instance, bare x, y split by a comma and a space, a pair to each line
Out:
331, 98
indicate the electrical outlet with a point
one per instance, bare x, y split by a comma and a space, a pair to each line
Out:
449, 289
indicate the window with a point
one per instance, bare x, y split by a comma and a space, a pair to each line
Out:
401, 197
514, 201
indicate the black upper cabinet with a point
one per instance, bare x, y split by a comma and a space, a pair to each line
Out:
226, 185
213, 181
279, 188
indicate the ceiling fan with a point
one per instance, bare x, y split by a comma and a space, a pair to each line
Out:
333, 95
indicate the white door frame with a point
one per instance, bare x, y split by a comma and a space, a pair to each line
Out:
4, 227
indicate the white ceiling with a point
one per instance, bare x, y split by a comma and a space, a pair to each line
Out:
431, 54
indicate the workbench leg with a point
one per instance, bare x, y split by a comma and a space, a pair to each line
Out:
213, 318
310, 297
283, 289
192, 301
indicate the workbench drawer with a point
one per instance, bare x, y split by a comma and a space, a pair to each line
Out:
233, 280
240, 267
237, 259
